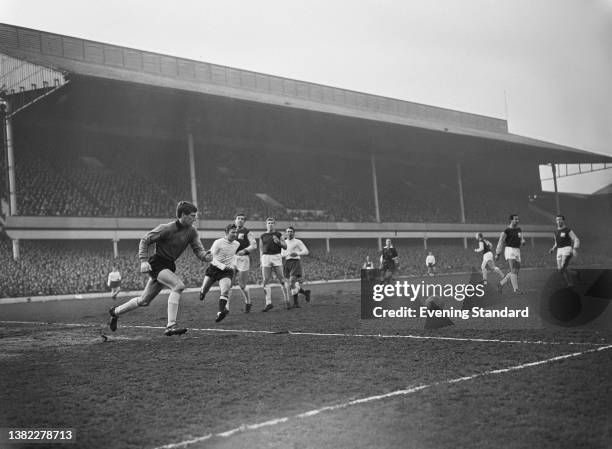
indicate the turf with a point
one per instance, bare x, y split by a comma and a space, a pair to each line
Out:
140, 389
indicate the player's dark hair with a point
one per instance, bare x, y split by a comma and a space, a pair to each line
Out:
291, 227
271, 219
561, 216
229, 227
479, 235
186, 208
511, 217
240, 215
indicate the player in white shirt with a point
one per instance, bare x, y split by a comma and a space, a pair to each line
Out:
430, 262
114, 282
368, 264
222, 269
292, 269
488, 263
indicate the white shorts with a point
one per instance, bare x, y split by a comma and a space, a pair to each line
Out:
564, 252
271, 260
243, 263
512, 253
486, 258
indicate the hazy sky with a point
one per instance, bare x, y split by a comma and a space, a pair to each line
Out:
551, 59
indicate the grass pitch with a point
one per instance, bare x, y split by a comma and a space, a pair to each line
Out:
305, 378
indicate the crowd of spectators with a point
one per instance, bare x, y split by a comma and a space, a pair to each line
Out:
140, 178
76, 267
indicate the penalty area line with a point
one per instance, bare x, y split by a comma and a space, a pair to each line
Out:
403, 392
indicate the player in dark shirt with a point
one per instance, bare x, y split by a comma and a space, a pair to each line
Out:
485, 248
566, 244
511, 240
272, 244
243, 264
388, 261
170, 240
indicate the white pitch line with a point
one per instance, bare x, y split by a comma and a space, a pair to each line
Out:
325, 334
404, 392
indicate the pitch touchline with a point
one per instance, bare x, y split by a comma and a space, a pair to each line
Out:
403, 392
324, 334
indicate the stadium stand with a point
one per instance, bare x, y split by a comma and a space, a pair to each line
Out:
73, 267
120, 177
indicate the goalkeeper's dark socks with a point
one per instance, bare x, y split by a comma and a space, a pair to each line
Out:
222, 304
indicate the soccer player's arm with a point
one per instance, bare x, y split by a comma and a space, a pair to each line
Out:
395, 256
252, 247
500, 245
554, 247
480, 247
198, 248
575, 242
109, 280
303, 251
283, 242
155, 235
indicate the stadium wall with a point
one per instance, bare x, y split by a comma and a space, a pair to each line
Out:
49, 228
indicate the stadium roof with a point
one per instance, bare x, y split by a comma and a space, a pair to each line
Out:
88, 60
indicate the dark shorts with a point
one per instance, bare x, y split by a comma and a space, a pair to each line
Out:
216, 274
388, 266
115, 284
292, 268
431, 265
158, 264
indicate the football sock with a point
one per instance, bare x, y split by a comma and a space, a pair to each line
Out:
127, 306
514, 281
245, 295
499, 272
223, 303
484, 275
268, 291
505, 279
173, 305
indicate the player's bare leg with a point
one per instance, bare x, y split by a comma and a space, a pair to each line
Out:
176, 286
150, 291
515, 266
562, 266
225, 285
207, 284
290, 286
242, 277
279, 275
490, 265
266, 273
